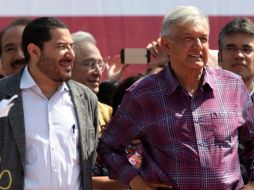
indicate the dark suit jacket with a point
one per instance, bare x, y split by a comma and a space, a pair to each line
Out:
12, 133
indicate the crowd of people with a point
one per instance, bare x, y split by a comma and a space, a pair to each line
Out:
186, 123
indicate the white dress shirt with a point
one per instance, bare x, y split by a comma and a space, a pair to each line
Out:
52, 157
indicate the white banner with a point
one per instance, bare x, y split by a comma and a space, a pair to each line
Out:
120, 7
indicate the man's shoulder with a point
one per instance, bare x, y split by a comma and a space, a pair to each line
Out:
148, 83
9, 83
77, 87
221, 74
8, 79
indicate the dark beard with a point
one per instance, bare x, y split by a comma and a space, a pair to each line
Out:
48, 66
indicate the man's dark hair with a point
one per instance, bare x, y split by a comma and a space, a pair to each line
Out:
16, 23
38, 32
236, 26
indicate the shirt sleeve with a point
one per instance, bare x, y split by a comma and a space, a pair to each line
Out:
124, 127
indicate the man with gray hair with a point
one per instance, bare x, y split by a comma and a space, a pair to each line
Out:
187, 117
87, 69
89, 64
83, 36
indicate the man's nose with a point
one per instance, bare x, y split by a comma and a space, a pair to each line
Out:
197, 42
97, 69
70, 52
20, 53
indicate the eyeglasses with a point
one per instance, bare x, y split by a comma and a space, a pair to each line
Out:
246, 50
92, 64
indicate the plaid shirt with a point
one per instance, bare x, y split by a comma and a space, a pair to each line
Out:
189, 142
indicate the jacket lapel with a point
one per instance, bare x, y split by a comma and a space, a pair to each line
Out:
80, 103
16, 116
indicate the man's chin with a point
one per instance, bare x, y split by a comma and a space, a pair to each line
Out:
66, 77
93, 86
95, 90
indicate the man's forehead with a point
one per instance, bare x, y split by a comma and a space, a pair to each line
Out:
87, 48
239, 38
191, 27
60, 33
11, 39
17, 31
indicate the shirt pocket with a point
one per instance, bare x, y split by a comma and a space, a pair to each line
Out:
225, 128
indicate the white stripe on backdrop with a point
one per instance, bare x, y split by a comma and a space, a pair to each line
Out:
120, 7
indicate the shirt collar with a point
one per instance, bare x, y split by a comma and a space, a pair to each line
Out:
170, 77
208, 79
28, 82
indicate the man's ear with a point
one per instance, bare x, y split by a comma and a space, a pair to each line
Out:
34, 52
165, 43
220, 58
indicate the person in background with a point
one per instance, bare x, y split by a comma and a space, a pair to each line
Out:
187, 117
87, 69
49, 138
11, 52
236, 50
236, 54
159, 55
106, 89
1, 70
114, 68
